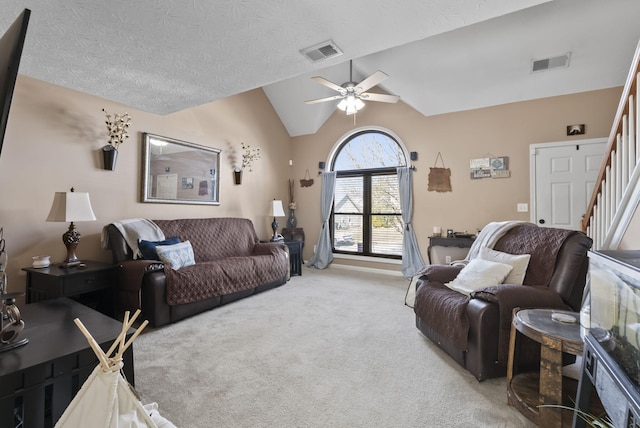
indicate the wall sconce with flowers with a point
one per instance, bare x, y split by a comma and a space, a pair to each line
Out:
249, 156
118, 129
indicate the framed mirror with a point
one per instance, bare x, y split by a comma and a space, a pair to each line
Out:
178, 172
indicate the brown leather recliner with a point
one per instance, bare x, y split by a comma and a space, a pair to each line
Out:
474, 330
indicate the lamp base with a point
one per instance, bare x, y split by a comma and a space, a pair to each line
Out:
71, 238
276, 237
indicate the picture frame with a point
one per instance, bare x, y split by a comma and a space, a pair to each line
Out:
179, 172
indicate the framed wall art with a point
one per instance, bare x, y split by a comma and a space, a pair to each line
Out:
179, 172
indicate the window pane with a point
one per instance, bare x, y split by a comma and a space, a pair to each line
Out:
386, 234
349, 195
369, 150
347, 233
385, 194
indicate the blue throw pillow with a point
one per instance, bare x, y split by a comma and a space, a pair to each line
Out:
148, 248
177, 255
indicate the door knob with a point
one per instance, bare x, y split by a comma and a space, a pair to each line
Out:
541, 221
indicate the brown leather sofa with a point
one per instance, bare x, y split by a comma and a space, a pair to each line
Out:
230, 263
474, 330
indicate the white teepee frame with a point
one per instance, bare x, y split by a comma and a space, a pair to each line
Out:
106, 399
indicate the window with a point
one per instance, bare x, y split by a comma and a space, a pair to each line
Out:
366, 218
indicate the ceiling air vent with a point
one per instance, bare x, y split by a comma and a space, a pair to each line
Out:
550, 63
321, 51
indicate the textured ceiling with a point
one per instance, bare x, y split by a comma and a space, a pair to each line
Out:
442, 56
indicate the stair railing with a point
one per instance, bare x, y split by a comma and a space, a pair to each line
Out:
616, 192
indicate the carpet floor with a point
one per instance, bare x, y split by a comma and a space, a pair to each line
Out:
331, 348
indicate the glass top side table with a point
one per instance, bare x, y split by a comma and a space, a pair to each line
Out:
555, 337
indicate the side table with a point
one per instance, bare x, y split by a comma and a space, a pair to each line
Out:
294, 234
527, 391
295, 256
94, 285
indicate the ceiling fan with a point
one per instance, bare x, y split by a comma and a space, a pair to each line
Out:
352, 94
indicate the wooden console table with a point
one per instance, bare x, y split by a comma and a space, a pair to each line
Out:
39, 380
527, 391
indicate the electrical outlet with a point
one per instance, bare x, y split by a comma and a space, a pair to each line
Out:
522, 207
447, 259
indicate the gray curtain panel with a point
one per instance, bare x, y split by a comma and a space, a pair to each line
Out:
324, 255
412, 260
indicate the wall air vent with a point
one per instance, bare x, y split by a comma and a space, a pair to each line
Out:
321, 51
561, 61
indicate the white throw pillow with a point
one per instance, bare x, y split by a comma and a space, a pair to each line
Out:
176, 255
519, 263
479, 273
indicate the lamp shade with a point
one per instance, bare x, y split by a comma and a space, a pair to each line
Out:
71, 206
276, 209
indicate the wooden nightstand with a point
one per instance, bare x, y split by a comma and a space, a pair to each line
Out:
93, 285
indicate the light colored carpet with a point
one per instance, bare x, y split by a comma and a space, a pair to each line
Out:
332, 348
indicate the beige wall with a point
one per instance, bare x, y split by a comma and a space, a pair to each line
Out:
52, 143
54, 136
505, 130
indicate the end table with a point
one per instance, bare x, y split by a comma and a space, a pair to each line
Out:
527, 391
294, 234
94, 284
295, 256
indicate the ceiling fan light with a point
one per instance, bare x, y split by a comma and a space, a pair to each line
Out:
350, 104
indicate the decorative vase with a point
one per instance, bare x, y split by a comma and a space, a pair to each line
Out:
292, 222
237, 176
109, 156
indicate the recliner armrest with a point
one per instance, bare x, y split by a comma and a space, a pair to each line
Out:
439, 273
268, 248
131, 273
509, 297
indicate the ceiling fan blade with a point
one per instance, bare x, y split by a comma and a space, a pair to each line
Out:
328, 83
321, 100
371, 81
369, 96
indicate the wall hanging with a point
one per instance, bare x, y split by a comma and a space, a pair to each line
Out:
439, 178
489, 167
307, 180
118, 128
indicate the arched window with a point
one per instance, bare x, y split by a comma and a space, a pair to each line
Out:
366, 218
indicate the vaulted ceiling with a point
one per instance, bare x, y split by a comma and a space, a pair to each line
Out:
441, 55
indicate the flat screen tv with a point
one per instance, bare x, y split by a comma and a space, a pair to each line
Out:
10, 52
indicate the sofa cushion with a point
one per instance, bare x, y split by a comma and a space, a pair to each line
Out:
479, 273
148, 248
518, 262
177, 255
213, 238
222, 277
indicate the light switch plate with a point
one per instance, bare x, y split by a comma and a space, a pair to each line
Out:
522, 207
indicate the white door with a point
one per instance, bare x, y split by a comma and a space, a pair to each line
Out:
563, 176
167, 185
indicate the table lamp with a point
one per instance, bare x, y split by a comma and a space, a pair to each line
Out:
276, 211
69, 207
